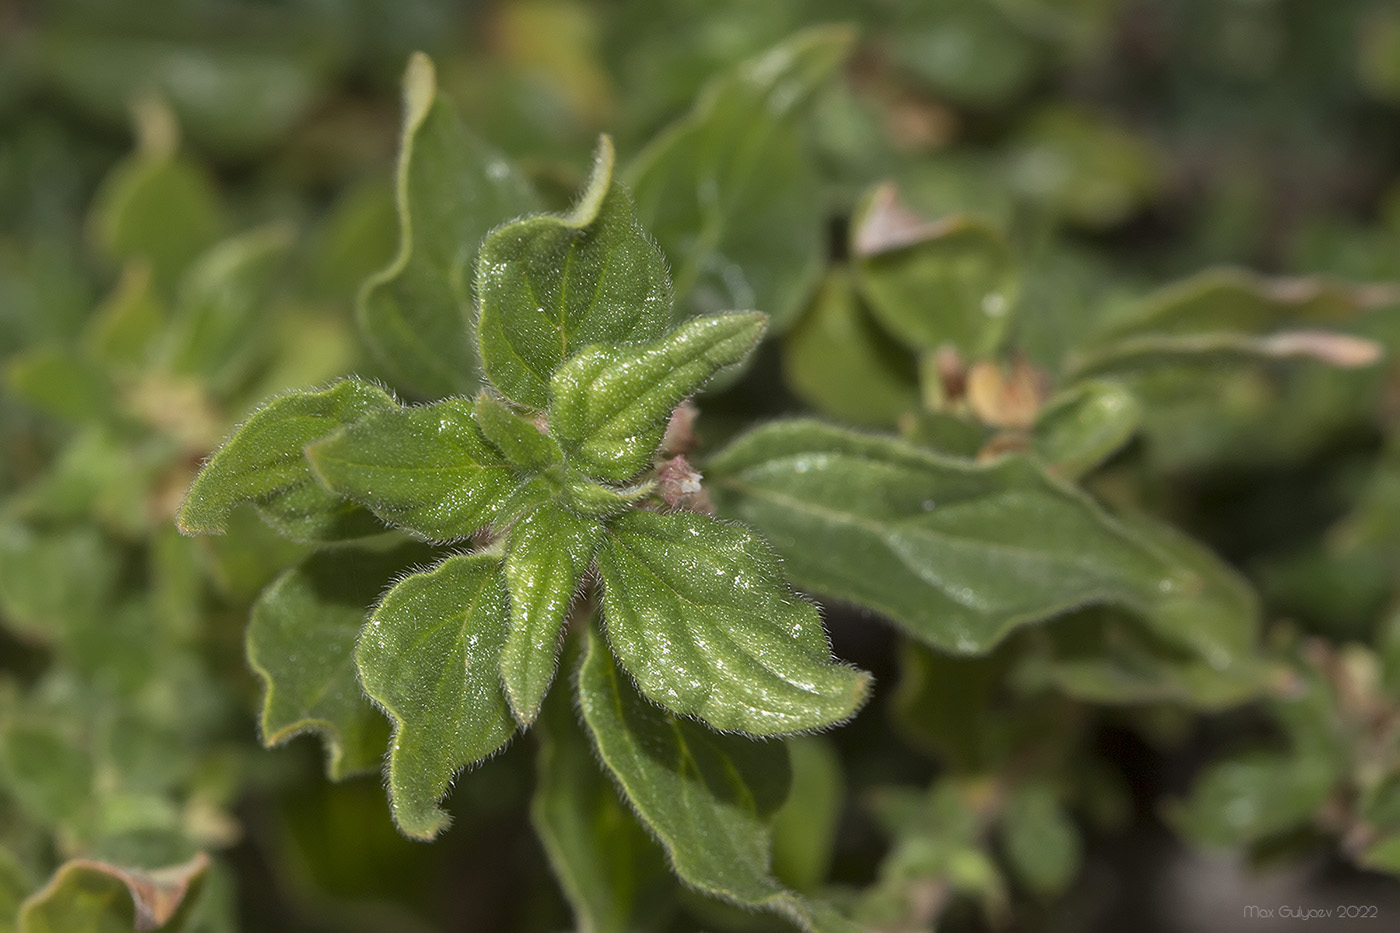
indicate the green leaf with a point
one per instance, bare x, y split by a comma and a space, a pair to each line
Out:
47, 774
958, 553
942, 705
839, 360
729, 191
609, 405
519, 439
578, 816
950, 282
15, 883
222, 307
708, 798
87, 896
263, 461
805, 827
547, 554
41, 597
551, 284
1042, 844
1228, 314
967, 50
1098, 656
430, 656
1083, 167
699, 614
124, 330
60, 384
162, 210
1253, 796
301, 642
246, 96
428, 469
451, 190
1083, 426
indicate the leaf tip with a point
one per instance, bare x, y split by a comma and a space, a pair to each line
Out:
599, 181
419, 88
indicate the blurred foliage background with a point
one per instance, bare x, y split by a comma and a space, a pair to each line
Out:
192, 191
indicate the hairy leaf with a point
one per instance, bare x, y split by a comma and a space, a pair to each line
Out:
548, 552
518, 438
699, 614
579, 817
609, 405
708, 798
959, 553
427, 469
551, 284
430, 656
263, 461
451, 189
729, 192
301, 642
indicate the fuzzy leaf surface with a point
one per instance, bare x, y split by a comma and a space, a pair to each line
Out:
451, 189
729, 192
709, 798
430, 656
577, 813
427, 469
551, 284
520, 441
609, 405
958, 553
301, 642
548, 552
263, 461
700, 615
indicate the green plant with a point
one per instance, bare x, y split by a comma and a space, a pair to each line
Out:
526, 467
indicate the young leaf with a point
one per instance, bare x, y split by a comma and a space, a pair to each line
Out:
699, 614
518, 438
839, 360
1255, 795
90, 895
548, 552
730, 193
609, 405
578, 816
451, 189
427, 470
951, 282
263, 460
550, 284
301, 642
959, 553
708, 798
430, 656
